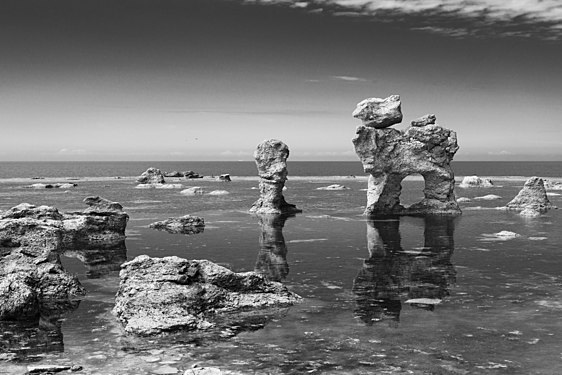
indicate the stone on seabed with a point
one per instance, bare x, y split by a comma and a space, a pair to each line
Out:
389, 155
379, 113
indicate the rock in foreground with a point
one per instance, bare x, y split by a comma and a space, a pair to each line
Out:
389, 155
271, 159
168, 294
183, 225
532, 199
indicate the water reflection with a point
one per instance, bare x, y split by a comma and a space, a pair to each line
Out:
100, 262
393, 275
272, 257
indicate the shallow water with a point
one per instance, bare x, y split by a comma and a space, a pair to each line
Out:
477, 304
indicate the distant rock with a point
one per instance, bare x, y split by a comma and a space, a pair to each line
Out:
99, 204
152, 176
552, 185
379, 113
183, 225
428, 119
173, 174
333, 187
33, 369
194, 190
390, 155
506, 235
489, 197
225, 177
191, 174
59, 185
219, 192
159, 186
271, 160
475, 181
166, 294
532, 199
463, 200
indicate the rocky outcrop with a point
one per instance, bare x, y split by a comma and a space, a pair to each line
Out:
173, 174
379, 113
182, 225
272, 257
392, 275
225, 177
389, 155
428, 119
151, 176
475, 181
532, 199
167, 294
32, 279
271, 159
191, 174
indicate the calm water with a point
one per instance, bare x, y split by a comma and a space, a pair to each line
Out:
494, 305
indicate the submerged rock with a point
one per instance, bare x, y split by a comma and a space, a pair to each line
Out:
428, 119
167, 294
390, 155
333, 187
151, 176
475, 181
219, 192
271, 160
195, 190
379, 113
532, 199
183, 225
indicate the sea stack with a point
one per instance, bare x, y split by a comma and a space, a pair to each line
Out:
389, 155
532, 199
271, 159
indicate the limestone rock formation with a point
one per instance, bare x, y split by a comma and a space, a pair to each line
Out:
379, 113
167, 294
428, 119
271, 159
389, 155
183, 225
151, 176
532, 199
475, 181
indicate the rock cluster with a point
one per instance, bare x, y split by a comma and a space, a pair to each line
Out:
389, 155
271, 160
183, 225
32, 279
532, 199
166, 294
475, 181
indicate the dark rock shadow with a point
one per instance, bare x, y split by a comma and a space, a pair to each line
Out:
272, 256
100, 262
392, 276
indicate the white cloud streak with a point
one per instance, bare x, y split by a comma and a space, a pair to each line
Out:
349, 78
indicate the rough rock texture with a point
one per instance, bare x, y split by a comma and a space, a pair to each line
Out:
183, 225
532, 199
271, 159
166, 294
389, 155
151, 176
552, 185
393, 275
379, 113
428, 119
272, 257
475, 181
32, 279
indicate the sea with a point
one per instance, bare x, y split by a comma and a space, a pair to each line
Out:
408, 295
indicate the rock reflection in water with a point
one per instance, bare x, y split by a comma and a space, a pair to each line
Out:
392, 275
272, 257
100, 262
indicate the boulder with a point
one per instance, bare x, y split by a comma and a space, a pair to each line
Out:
173, 174
532, 199
191, 174
379, 113
225, 177
151, 176
271, 160
475, 181
166, 294
389, 155
428, 119
184, 225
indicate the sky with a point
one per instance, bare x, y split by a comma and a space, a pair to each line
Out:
210, 79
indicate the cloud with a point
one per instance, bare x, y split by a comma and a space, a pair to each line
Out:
66, 151
349, 78
502, 152
456, 18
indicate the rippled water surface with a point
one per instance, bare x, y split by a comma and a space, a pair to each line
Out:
397, 296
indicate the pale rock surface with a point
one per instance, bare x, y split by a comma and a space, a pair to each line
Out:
195, 190
184, 225
552, 185
463, 200
532, 199
219, 192
271, 160
507, 235
151, 176
389, 155
333, 187
489, 197
379, 113
428, 119
475, 181
167, 294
